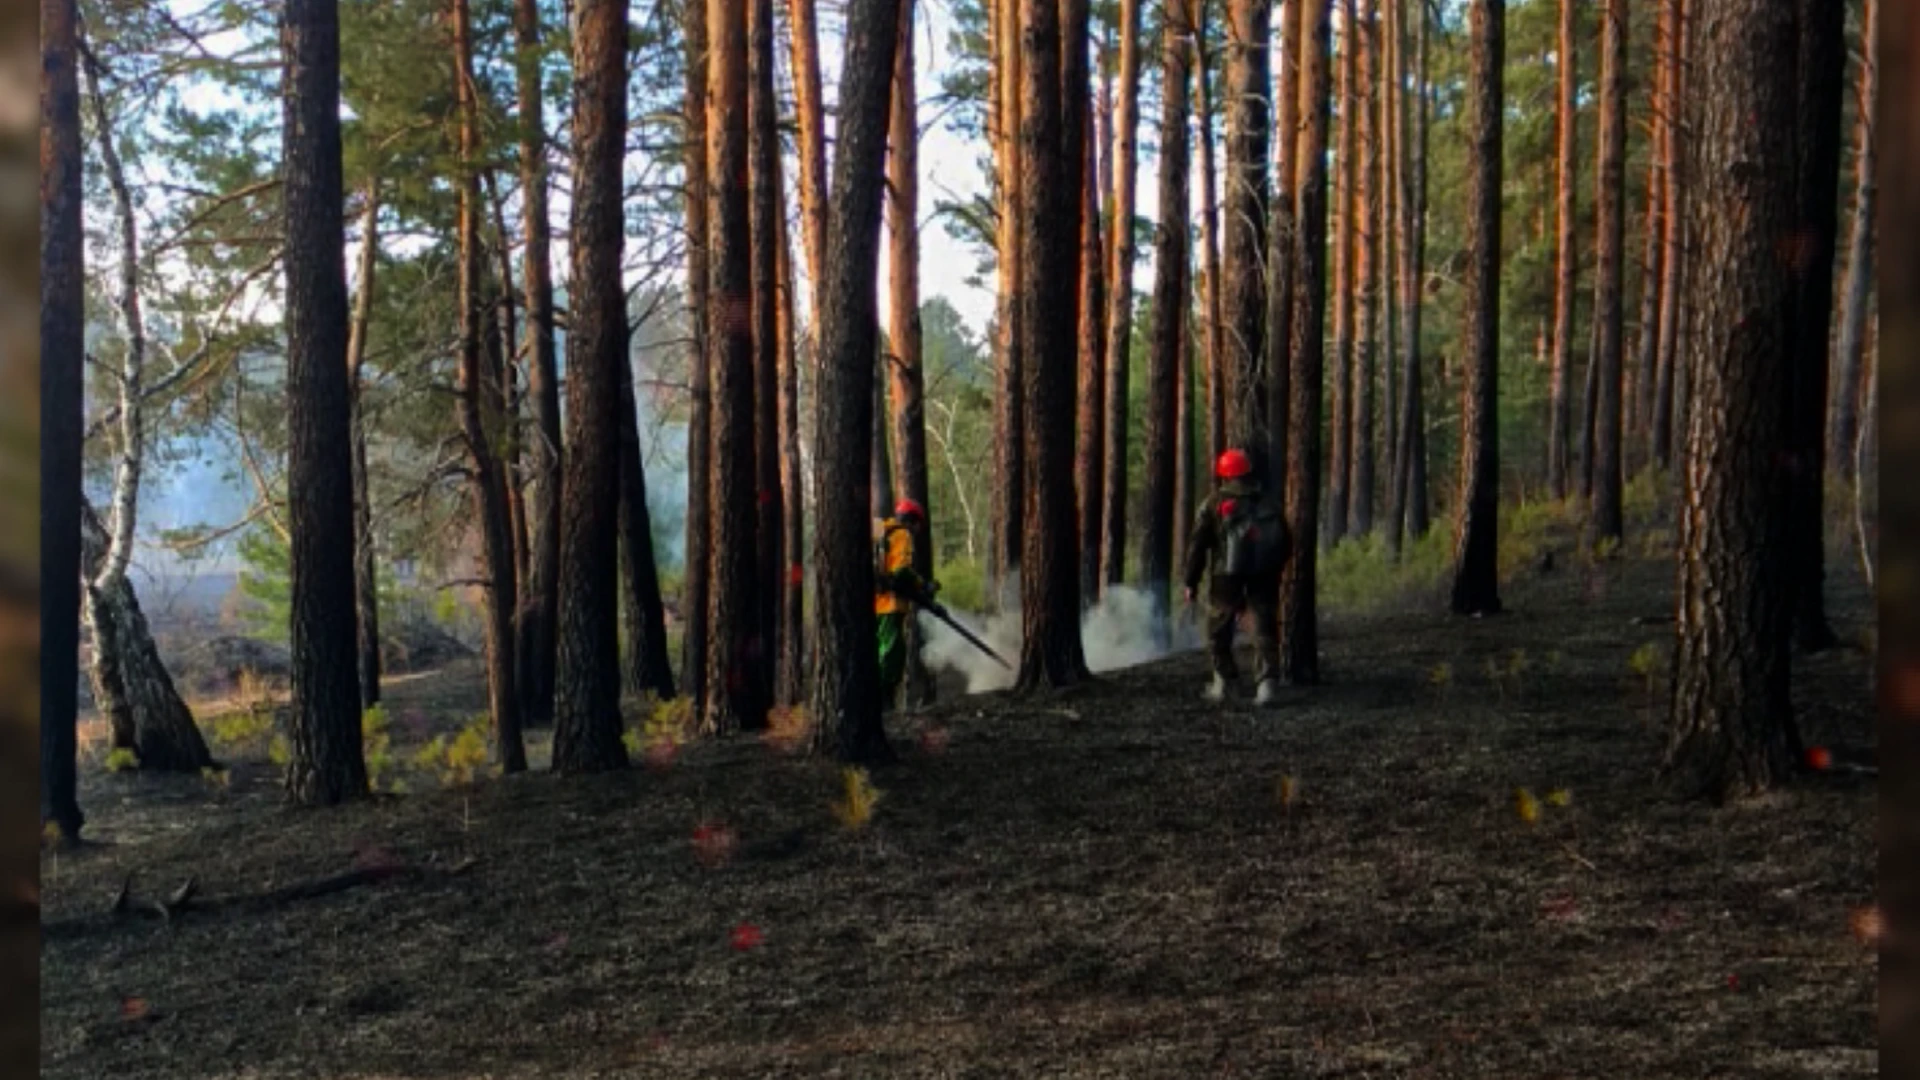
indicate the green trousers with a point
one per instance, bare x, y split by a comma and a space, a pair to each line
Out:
892, 636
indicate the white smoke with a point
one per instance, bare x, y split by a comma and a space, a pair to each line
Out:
1117, 632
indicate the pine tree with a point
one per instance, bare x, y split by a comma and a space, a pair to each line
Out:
1169, 322
1608, 466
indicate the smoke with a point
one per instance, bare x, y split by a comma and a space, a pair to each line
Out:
1117, 632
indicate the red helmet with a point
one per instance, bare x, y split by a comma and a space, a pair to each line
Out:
1233, 465
908, 510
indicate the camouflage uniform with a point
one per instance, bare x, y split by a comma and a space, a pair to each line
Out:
1228, 596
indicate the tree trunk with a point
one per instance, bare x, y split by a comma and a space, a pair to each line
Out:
1566, 255
1119, 322
1280, 240
645, 667
1476, 564
1366, 273
483, 420
1821, 85
694, 586
1340, 448
1610, 200
1386, 218
62, 413
1299, 616
790, 678
732, 614
534, 649
366, 593
587, 723
1732, 713
811, 120
1009, 467
327, 765
1171, 260
131, 686
763, 109
879, 463
1090, 445
1643, 375
907, 370
1843, 431
1410, 502
1243, 280
1186, 397
1671, 365
1209, 236
845, 698
1050, 652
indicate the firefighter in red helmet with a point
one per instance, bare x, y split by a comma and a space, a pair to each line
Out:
1240, 542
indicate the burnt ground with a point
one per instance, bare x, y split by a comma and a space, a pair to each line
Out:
1102, 882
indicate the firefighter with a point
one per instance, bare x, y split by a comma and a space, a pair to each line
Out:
898, 588
1240, 542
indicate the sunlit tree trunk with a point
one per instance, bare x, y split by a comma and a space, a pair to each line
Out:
1340, 441
1566, 254
694, 586
1090, 444
1171, 260
1280, 240
1007, 513
1365, 272
1119, 321
1476, 576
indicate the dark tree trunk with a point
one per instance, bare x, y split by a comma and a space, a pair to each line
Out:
1367, 257
1280, 240
1590, 408
732, 613
1821, 82
1340, 441
880, 462
587, 723
1643, 376
366, 593
763, 107
1050, 652
1089, 453
62, 413
1386, 227
1243, 270
1215, 337
845, 698
1566, 255
1299, 615
327, 765
1185, 435
790, 680
1410, 502
645, 666
693, 595
1476, 564
534, 650
1610, 200
1671, 368
483, 421
1732, 714
1119, 322
1848, 350
1169, 324
131, 686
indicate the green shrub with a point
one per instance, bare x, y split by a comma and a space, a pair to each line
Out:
963, 584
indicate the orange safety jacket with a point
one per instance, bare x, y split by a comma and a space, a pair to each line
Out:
894, 548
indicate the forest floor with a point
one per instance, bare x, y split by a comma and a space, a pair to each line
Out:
1105, 881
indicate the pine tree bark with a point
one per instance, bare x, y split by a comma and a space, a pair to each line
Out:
1299, 614
1408, 513
1610, 196
1731, 710
1090, 444
1280, 240
845, 702
1185, 437
880, 461
587, 723
327, 765
1119, 320
1386, 227
695, 571
790, 680
810, 117
645, 668
764, 191
1161, 460
1818, 116
1050, 652
1643, 374
1214, 321
1566, 255
483, 418
62, 413
1671, 366
1476, 565
1366, 273
1007, 513
1340, 441
1243, 269
1843, 430
366, 594
535, 647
